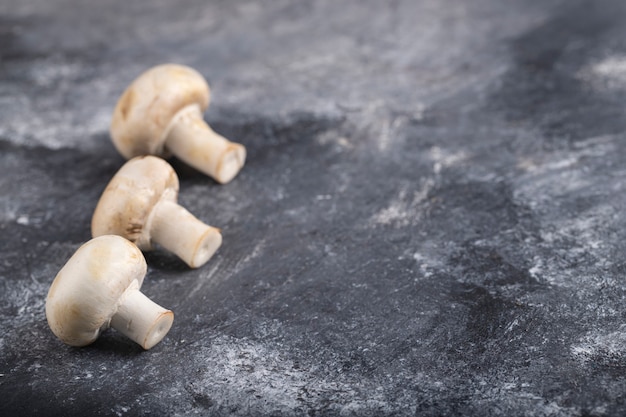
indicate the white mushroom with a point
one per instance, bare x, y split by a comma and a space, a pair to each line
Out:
99, 288
140, 204
162, 110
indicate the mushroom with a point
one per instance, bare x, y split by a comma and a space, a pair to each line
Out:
161, 112
99, 288
139, 203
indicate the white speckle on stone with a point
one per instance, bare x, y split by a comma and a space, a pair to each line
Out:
536, 270
405, 209
34, 367
331, 137
53, 71
206, 278
418, 111
609, 73
120, 410
443, 158
595, 346
278, 194
511, 326
597, 146
8, 209
269, 382
23, 220
425, 264
255, 253
598, 411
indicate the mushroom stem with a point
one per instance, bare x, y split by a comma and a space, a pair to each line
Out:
179, 231
141, 319
193, 141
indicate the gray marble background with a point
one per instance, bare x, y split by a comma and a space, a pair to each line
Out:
430, 221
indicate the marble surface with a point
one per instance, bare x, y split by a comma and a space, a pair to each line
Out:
430, 222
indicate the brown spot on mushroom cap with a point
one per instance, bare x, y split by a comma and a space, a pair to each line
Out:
126, 102
85, 293
145, 110
129, 198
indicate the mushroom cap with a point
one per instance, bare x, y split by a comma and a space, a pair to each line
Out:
86, 292
128, 200
145, 110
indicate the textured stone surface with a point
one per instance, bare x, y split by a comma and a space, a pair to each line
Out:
430, 221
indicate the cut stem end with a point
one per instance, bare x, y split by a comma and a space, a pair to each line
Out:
141, 319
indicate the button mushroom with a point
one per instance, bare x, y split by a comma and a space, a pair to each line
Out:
162, 110
140, 204
99, 288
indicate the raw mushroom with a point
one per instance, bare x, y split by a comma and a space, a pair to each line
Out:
162, 110
99, 288
140, 204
